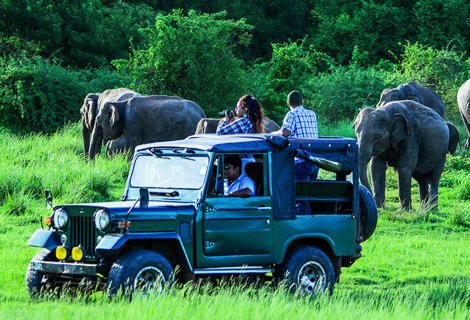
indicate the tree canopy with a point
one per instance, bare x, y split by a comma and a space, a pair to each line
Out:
340, 53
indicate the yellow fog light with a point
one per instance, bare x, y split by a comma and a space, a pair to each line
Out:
77, 253
61, 253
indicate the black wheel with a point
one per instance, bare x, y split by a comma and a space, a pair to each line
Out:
309, 270
37, 281
139, 271
369, 212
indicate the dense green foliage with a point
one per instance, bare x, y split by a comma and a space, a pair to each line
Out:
191, 56
340, 54
415, 266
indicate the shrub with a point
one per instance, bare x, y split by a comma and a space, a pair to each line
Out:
444, 71
191, 56
460, 216
464, 190
40, 95
290, 67
342, 92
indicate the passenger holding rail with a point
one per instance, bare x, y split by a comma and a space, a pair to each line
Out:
300, 123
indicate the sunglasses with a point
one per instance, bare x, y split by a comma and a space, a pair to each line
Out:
229, 167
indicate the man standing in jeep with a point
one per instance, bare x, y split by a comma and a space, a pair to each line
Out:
300, 123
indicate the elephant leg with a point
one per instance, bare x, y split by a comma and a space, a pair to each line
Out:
404, 190
467, 125
424, 190
378, 169
115, 146
86, 141
433, 186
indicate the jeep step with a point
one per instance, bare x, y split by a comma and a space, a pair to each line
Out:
234, 270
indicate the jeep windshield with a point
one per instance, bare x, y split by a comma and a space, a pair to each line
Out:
171, 176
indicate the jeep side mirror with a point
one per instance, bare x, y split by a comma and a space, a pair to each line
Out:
48, 195
144, 198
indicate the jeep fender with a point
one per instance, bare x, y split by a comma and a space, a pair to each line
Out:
45, 239
113, 244
319, 240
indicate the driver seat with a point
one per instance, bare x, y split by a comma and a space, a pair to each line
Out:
255, 171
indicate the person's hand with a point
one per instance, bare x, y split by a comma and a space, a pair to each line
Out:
229, 116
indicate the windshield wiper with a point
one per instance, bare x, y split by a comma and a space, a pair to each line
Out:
185, 157
165, 194
156, 153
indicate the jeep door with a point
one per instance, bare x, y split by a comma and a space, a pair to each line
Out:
238, 231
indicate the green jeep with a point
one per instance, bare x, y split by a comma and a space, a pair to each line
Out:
173, 225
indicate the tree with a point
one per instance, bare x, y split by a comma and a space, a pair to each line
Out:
290, 67
191, 56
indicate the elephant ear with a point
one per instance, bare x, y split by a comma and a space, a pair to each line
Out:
91, 110
400, 129
363, 113
113, 115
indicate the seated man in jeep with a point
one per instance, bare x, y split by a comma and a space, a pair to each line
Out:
236, 183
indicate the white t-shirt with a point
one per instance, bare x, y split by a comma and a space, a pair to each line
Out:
242, 182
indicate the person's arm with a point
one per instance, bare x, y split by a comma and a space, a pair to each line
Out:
230, 128
287, 125
283, 132
243, 193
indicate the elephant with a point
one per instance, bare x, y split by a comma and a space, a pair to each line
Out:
209, 125
463, 100
415, 92
409, 137
90, 108
454, 138
145, 119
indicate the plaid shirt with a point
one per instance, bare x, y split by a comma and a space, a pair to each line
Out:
301, 123
242, 125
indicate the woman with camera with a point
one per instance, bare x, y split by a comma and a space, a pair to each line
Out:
249, 119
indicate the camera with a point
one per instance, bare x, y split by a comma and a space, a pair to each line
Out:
229, 114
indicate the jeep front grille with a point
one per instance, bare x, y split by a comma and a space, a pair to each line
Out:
83, 233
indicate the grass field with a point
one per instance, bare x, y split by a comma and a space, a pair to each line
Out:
415, 266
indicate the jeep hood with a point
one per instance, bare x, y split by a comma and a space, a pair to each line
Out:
122, 207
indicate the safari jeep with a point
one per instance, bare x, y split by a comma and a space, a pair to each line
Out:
173, 225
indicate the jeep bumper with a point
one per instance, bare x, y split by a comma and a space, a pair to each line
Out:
64, 268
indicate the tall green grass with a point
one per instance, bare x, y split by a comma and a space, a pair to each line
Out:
415, 266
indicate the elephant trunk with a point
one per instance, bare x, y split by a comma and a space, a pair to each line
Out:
96, 142
364, 158
86, 139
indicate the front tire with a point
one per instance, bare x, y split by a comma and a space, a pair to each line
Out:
308, 270
37, 281
139, 271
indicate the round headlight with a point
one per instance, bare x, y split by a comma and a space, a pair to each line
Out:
60, 218
101, 220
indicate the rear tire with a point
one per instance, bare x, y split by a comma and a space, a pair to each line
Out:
308, 270
139, 271
369, 214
